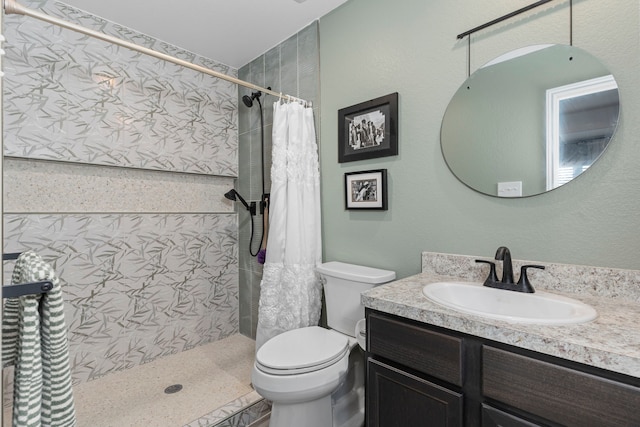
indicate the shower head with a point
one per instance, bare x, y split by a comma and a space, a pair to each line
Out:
235, 196
248, 100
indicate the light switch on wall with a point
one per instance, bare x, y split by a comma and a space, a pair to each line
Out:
510, 189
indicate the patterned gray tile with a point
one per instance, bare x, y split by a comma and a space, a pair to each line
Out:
136, 286
83, 100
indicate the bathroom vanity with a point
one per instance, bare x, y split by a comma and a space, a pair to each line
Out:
428, 365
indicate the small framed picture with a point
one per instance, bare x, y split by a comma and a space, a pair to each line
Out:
368, 130
366, 190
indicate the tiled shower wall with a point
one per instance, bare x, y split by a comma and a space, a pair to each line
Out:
293, 68
115, 168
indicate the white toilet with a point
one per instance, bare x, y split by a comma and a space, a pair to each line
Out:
314, 377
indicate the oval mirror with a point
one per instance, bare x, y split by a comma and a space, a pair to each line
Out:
530, 121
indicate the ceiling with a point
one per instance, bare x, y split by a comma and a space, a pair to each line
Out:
232, 32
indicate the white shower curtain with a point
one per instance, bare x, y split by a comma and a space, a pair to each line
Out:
290, 292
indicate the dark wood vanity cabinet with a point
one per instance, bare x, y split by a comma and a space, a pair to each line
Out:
398, 392
421, 375
407, 386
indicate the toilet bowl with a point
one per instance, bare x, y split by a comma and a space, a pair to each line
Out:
299, 383
314, 377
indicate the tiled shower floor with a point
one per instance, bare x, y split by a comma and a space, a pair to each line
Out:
212, 376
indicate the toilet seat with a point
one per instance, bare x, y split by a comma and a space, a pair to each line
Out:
302, 350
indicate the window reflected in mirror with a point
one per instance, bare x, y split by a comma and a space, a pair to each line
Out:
581, 118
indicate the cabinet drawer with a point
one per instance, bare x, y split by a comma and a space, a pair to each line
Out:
492, 417
418, 348
556, 393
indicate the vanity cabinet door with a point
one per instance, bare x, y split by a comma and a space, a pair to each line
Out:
398, 399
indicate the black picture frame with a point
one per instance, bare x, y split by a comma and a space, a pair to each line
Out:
368, 130
366, 190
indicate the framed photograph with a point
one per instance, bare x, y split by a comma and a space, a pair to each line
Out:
366, 190
368, 130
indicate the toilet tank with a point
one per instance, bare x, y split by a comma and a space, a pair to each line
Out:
343, 283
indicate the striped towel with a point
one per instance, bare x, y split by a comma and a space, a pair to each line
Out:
38, 348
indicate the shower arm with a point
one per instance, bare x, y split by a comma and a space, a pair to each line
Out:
13, 7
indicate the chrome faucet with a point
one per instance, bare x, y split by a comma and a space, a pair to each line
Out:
503, 254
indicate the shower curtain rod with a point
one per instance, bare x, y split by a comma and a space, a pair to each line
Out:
13, 7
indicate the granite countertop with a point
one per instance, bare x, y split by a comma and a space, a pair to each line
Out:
611, 341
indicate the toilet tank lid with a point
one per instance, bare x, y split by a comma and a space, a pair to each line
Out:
357, 273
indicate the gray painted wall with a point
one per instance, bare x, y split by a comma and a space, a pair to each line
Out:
370, 48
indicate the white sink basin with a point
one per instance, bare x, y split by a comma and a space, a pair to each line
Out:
537, 308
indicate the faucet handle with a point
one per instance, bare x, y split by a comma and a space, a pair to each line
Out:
493, 277
523, 282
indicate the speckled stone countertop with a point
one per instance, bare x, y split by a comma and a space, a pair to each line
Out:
611, 341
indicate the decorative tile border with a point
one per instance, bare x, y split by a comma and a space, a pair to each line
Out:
40, 186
